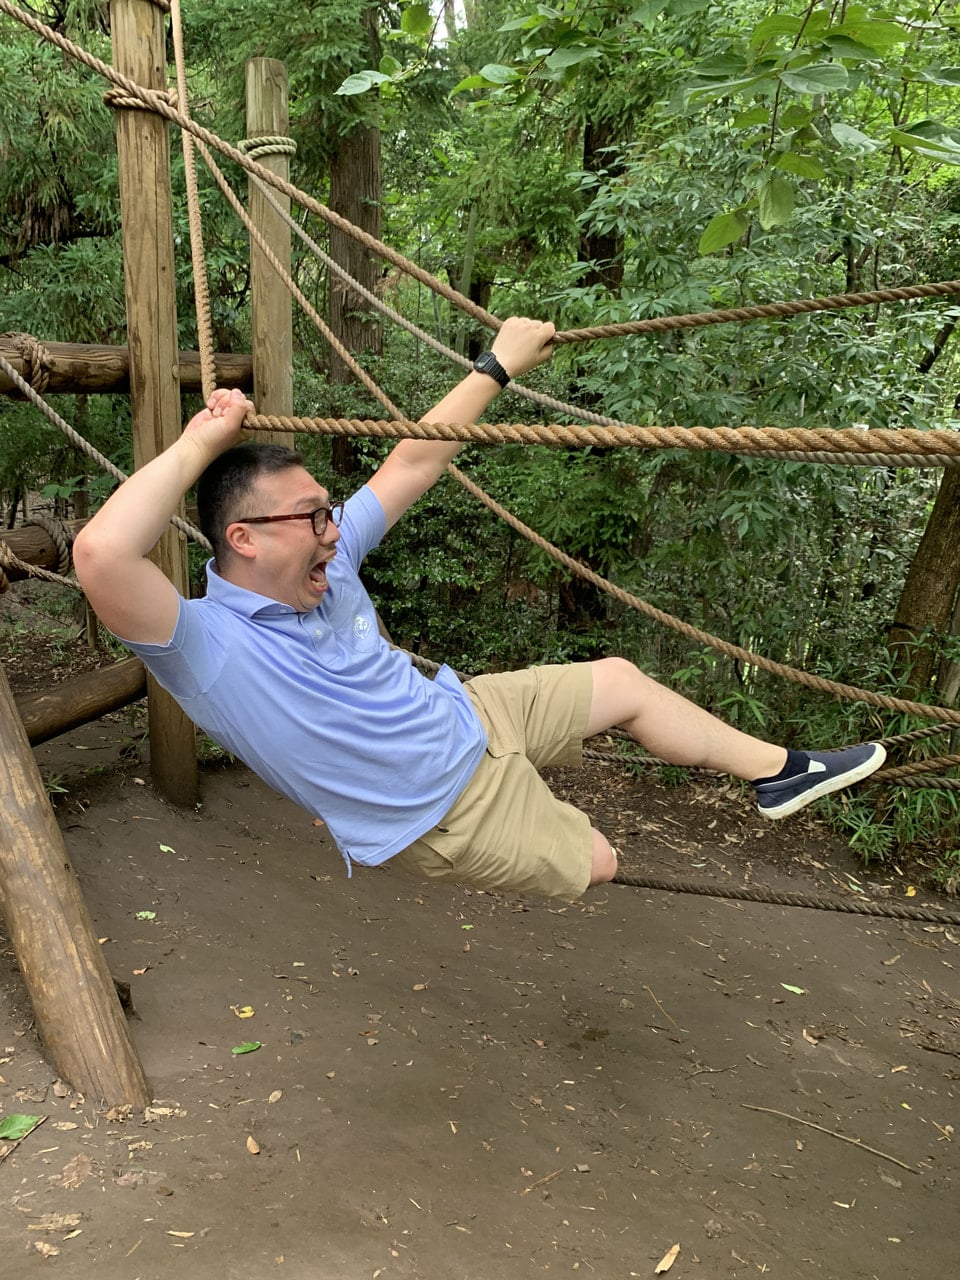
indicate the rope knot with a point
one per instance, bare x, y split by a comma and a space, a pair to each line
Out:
120, 100
268, 145
58, 536
37, 360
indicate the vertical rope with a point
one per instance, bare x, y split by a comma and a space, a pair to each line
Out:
208, 377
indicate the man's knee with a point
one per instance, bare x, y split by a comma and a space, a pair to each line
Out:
620, 692
603, 865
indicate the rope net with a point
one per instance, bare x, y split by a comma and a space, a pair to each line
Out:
851, 446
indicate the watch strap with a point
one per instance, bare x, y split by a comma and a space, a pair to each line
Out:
488, 363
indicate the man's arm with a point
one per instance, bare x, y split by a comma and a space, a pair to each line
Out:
129, 593
414, 465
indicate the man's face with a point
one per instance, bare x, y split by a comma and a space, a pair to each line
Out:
287, 560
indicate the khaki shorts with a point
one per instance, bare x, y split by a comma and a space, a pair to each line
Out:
507, 830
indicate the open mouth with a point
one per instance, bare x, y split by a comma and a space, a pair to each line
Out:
318, 574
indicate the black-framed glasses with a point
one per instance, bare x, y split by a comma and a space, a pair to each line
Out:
319, 518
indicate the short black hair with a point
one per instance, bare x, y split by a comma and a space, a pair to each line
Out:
229, 481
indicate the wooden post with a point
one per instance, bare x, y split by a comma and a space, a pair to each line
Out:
270, 301
143, 153
79, 1018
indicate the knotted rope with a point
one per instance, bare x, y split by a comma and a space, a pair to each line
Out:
36, 359
270, 144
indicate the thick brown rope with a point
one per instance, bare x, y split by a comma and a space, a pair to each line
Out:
58, 536
407, 428
255, 421
156, 101
762, 311
10, 561
946, 715
822, 437
931, 446
84, 446
560, 406
208, 374
852, 906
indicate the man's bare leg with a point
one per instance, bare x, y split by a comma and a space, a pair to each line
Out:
672, 727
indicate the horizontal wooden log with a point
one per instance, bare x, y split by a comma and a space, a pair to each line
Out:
80, 699
85, 369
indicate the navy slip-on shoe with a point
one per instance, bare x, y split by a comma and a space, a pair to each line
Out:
828, 771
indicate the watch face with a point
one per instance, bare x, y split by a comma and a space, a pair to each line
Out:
488, 363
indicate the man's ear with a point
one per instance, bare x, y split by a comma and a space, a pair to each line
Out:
240, 541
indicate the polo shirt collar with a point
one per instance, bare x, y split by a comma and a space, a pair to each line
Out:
248, 604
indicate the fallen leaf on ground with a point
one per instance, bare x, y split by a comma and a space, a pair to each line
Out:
797, 991
181, 1235
15, 1127
250, 1047
276, 1095
253, 1146
667, 1261
75, 1172
48, 1250
242, 1010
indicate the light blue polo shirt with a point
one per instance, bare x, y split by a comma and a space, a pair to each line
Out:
319, 705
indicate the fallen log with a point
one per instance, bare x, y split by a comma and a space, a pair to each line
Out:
80, 699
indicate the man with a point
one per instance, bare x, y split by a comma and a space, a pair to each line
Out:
282, 663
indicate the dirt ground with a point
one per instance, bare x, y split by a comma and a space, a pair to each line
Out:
461, 1085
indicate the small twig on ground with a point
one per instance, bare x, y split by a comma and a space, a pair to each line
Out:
854, 1142
540, 1181
659, 1005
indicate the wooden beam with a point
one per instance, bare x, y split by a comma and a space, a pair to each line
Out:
75, 368
270, 301
81, 699
143, 153
79, 1019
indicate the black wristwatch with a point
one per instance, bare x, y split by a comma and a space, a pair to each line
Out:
486, 362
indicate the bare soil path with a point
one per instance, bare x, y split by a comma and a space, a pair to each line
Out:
461, 1086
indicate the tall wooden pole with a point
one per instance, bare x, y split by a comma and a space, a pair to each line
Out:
270, 301
78, 1015
143, 152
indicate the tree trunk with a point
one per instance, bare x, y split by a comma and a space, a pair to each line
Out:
926, 605
604, 249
